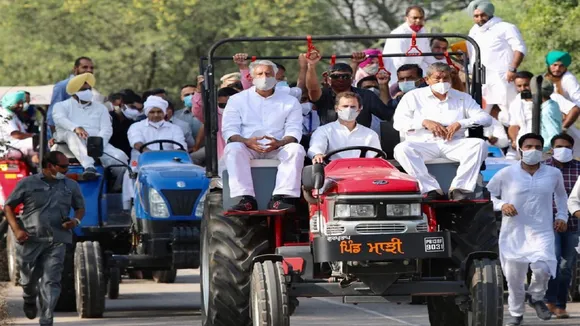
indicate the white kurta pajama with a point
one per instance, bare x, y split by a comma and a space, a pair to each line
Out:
528, 238
498, 41
143, 132
248, 114
96, 121
334, 135
421, 145
402, 45
10, 123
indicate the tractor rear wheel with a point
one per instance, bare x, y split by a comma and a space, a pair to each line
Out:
67, 300
89, 280
165, 276
269, 295
229, 245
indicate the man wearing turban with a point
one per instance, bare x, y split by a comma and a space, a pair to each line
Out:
502, 50
12, 130
154, 127
78, 118
564, 81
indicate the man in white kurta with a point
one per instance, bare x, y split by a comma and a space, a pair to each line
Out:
434, 120
12, 131
153, 128
502, 50
524, 193
564, 81
80, 117
261, 123
344, 132
414, 23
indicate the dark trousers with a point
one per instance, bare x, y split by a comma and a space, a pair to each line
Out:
41, 266
566, 243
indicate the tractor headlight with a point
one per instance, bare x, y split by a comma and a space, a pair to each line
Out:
157, 206
345, 210
404, 209
201, 205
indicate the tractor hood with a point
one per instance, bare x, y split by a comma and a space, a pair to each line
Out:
173, 175
364, 175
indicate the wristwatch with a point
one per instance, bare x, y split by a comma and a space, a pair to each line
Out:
78, 221
514, 70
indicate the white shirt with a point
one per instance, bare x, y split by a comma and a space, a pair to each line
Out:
186, 131
292, 91
402, 45
574, 200
498, 131
9, 123
497, 40
248, 114
334, 135
93, 118
143, 132
420, 104
529, 236
570, 87
520, 113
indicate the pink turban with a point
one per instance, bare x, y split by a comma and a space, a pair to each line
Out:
368, 60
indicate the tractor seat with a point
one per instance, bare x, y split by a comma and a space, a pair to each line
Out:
63, 148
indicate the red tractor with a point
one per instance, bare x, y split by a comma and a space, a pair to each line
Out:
365, 233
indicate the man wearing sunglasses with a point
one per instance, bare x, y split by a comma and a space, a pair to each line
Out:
43, 232
340, 80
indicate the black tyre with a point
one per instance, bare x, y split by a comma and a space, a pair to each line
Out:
67, 300
575, 284
165, 276
486, 284
89, 280
228, 247
444, 311
13, 269
269, 295
113, 283
4, 274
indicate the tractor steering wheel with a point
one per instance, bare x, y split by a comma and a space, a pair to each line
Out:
160, 142
363, 152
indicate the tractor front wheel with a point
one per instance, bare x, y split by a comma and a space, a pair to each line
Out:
89, 280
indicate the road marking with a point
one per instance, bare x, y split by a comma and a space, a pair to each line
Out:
368, 311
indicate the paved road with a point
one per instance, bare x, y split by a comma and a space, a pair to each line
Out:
146, 303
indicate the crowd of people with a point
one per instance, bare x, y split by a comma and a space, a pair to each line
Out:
261, 115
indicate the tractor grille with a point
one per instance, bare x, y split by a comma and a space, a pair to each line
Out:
422, 227
181, 202
380, 228
334, 229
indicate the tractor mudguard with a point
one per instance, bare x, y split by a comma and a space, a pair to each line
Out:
263, 258
467, 262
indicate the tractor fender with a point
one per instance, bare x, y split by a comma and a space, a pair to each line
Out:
466, 264
263, 258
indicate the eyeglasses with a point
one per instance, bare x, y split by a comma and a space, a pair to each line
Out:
342, 76
222, 105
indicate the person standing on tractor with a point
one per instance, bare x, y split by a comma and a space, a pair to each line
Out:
344, 132
13, 131
434, 120
80, 117
153, 128
525, 194
43, 232
567, 241
262, 123
502, 51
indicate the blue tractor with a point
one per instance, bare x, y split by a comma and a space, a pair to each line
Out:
159, 236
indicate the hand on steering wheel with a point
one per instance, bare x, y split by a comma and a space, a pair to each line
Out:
363, 152
160, 142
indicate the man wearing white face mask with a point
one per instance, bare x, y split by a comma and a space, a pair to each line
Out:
263, 123
78, 118
344, 132
434, 120
524, 193
566, 242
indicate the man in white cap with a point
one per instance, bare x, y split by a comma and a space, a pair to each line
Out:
153, 128
261, 123
80, 117
502, 51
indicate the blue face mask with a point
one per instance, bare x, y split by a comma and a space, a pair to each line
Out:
59, 176
282, 84
407, 86
187, 101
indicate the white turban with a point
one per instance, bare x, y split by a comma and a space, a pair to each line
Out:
155, 102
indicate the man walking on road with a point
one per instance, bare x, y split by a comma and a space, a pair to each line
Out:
43, 232
523, 193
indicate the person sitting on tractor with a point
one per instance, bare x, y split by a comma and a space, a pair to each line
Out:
153, 128
344, 132
13, 131
434, 120
80, 117
260, 123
